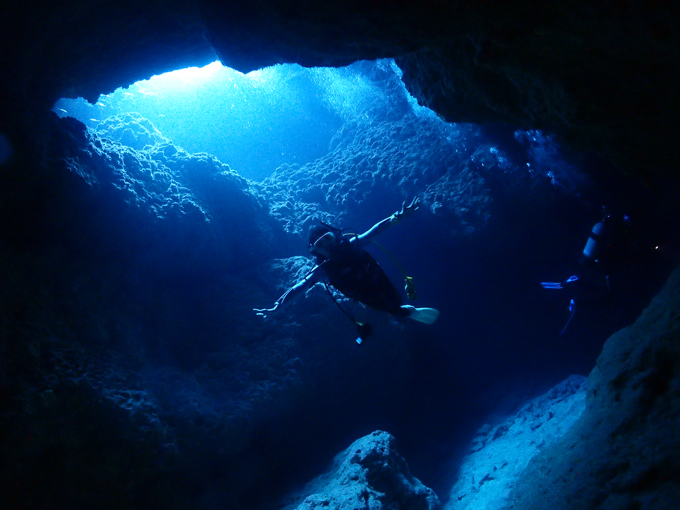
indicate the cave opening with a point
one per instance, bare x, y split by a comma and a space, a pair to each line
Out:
194, 247
143, 231
255, 122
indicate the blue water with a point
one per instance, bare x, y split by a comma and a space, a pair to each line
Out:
254, 405
254, 122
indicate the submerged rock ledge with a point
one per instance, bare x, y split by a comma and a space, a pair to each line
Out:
368, 474
624, 451
500, 453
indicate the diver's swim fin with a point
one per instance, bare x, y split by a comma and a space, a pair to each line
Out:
572, 311
424, 315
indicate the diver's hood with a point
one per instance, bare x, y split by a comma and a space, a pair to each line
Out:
331, 227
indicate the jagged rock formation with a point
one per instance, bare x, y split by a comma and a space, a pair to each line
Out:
83, 316
624, 451
128, 199
603, 76
604, 443
395, 151
369, 474
127, 172
396, 160
83, 213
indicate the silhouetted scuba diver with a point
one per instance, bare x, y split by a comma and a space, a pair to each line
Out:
342, 262
596, 261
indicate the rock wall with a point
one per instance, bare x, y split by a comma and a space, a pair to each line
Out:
369, 474
500, 452
135, 191
602, 75
624, 451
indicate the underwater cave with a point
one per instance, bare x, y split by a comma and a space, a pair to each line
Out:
157, 202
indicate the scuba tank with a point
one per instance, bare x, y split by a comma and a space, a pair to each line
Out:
594, 244
409, 285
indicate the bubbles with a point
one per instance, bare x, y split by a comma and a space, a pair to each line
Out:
345, 91
546, 158
256, 122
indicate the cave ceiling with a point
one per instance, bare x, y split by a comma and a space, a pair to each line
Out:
603, 76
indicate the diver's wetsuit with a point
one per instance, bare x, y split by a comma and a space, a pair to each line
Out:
358, 276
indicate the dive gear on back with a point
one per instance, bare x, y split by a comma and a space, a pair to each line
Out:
592, 247
409, 285
357, 275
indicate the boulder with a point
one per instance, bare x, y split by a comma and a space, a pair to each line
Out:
368, 474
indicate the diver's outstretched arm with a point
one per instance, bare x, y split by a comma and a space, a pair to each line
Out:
291, 293
380, 227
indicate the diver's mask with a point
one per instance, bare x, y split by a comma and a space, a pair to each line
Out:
323, 244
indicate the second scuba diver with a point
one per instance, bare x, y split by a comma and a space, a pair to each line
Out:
609, 244
342, 261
